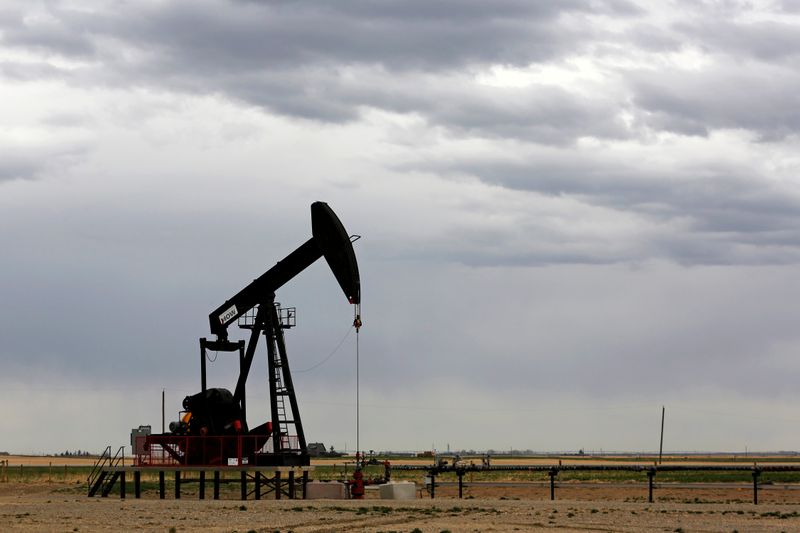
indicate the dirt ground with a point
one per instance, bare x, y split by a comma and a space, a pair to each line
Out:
65, 507
37, 505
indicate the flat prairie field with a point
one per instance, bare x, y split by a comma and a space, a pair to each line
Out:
45, 460
42, 506
49, 494
64, 506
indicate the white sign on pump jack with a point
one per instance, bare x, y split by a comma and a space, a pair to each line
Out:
227, 315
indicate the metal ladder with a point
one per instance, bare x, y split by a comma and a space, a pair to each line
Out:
283, 420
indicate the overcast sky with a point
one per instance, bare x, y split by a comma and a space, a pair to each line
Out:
572, 213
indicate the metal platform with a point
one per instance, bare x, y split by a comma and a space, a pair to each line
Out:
255, 481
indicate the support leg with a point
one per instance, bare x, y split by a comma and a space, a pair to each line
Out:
137, 484
305, 482
244, 484
756, 473
122, 485
202, 482
177, 484
258, 484
291, 484
277, 484
161, 484
216, 484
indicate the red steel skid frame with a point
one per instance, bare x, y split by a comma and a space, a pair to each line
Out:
183, 450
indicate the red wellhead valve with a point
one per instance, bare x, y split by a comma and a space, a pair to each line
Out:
357, 485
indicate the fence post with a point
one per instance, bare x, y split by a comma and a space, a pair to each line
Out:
553, 472
756, 473
460, 474
651, 473
50, 472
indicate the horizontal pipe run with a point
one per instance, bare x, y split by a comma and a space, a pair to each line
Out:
599, 468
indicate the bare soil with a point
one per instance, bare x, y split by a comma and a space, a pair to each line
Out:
65, 507
37, 504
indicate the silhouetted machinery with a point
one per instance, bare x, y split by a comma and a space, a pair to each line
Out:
213, 427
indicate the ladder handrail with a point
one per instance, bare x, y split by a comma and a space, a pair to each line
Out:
118, 457
106, 461
98, 466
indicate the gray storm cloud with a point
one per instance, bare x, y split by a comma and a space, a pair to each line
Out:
571, 211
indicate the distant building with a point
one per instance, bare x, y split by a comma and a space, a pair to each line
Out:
316, 449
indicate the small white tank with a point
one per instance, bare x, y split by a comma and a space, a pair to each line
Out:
400, 490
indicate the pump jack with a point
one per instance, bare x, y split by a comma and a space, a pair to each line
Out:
213, 427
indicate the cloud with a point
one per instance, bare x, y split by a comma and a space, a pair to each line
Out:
31, 162
42, 28
567, 208
762, 99
690, 200
19, 166
329, 62
247, 35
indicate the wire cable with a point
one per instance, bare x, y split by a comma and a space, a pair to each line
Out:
319, 364
358, 414
357, 324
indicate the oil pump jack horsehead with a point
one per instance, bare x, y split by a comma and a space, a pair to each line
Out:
213, 426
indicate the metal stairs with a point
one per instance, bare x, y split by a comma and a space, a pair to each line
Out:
104, 474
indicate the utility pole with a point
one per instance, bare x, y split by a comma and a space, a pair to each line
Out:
163, 430
661, 445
